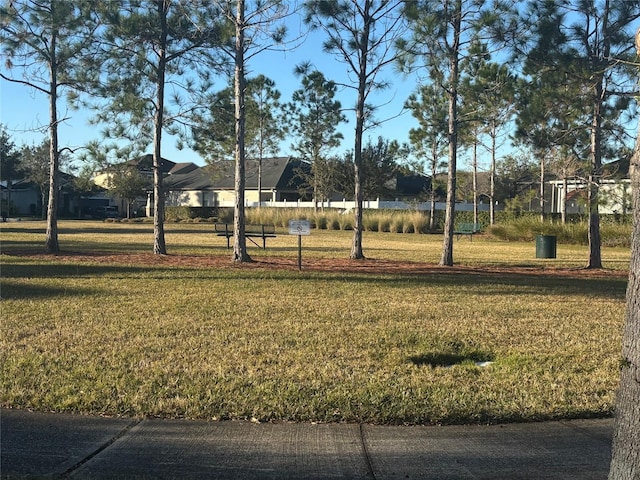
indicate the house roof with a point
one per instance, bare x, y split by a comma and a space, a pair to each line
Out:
145, 163
278, 173
183, 167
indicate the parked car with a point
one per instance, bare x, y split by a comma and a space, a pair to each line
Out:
107, 212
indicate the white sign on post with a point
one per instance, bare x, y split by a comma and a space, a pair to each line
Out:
299, 227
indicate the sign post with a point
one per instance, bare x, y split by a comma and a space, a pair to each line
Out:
299, 228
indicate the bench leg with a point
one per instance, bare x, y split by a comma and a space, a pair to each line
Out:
253, 241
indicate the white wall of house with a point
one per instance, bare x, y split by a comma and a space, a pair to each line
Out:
614, 196
203, 198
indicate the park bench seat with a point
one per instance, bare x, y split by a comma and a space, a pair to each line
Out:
251, 231
468, 229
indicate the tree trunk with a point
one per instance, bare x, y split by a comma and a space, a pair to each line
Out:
475, 182
541, 192
240, 253
625, 461
159, 246
492, 175
447, 243
356, 245
51, 242
595, 259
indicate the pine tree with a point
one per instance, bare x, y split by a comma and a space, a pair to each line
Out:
255, 26
362, 34
147, 46
46, 44
429, 107
582, 47
444, 32
313, 116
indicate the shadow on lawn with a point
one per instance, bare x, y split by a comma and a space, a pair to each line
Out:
449, 359
68, 270
19, 292
477, 281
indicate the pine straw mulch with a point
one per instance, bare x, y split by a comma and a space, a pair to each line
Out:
335, 265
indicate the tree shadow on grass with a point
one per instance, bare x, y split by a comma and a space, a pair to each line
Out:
449, 359
70, 270
19, 292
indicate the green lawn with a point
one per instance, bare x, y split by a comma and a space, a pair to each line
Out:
136, 336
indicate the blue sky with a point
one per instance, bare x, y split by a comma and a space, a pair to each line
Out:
22, 110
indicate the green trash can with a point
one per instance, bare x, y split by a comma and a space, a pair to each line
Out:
546, 246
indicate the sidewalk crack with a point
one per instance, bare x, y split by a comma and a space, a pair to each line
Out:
367, 457
67, 473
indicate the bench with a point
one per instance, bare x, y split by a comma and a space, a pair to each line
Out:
467, 229
250, 232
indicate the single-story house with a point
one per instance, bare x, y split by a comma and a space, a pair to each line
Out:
214, 185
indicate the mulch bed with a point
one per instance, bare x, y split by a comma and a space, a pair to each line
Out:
336, 265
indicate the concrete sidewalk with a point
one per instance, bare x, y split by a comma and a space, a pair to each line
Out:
37, 445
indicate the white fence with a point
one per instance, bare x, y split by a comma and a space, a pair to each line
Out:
367, 204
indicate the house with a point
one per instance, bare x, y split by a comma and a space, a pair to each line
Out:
25, 198
282, 183
214, 185
614, 195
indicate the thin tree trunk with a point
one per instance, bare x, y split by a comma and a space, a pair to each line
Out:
595, 259
541, 192
51, 242
475, 182
492, 176
240, 253
563, 200
356, 246
159, 246
447, 243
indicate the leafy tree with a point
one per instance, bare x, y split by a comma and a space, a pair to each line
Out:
443, 33
512, 171
154, 52
429, 107
313, 117
379, 167
586, 42
9, 167
48, 43
126, 181
214, 131
362, 34
625, 459
34, 163
256, 26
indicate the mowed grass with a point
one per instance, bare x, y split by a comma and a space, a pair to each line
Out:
489, 343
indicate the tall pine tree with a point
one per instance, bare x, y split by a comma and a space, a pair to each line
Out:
45, 46
362, 34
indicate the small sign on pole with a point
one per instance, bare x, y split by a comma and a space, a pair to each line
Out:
299, 228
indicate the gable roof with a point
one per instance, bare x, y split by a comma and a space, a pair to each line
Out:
278, 173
